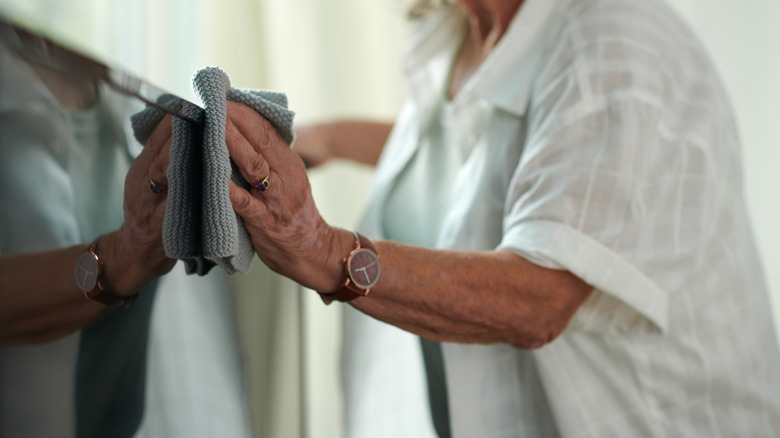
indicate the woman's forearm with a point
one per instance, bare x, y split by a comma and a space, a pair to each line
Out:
357, 140
473, 297
40, 300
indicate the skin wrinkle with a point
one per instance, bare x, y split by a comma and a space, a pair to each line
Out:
233, 134
508, 317
310, 255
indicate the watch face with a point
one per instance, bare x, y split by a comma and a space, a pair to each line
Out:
364, 268
86, 272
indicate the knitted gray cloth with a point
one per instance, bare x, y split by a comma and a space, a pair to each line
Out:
200, 226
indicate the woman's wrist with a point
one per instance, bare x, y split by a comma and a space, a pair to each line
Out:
332, 275
117, 276
362, 270
129, 269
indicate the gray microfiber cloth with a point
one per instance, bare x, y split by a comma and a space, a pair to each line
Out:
200, 226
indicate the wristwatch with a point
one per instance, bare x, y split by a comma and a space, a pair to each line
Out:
89, 278
362, 268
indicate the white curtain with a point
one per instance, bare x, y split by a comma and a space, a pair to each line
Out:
341, 58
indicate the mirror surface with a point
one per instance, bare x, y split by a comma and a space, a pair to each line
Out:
68, 72
66, 140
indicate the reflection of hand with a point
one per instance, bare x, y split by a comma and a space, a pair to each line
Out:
287, 231
135, 253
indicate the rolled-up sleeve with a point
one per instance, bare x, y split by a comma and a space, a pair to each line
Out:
616, 185
624, 298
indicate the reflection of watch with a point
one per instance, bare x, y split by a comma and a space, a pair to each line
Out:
363, 271
89, 278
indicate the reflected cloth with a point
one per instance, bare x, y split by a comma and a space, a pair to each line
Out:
200, 226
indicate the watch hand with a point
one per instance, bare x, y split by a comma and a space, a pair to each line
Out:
364, 269
87, 274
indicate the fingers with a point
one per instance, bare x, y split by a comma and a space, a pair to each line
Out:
157, 151
161, 136
252, 164
261, 136
243, 202
157, 173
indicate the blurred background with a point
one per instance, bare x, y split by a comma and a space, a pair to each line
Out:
335, 58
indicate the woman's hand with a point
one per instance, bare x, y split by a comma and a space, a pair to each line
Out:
135, 253
287, 231
351, 139
311, 144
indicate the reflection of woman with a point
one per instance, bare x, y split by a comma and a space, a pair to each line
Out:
65, 358
560, 204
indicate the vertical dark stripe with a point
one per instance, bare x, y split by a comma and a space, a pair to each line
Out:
111, 370
437, 386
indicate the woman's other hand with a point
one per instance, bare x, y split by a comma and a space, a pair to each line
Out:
311, 145
361, 141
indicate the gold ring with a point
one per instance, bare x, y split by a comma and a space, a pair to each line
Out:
263, 185
155, 186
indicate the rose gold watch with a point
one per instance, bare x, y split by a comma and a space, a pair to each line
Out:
362, 268
89, 278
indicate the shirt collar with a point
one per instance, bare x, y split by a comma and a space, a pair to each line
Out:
427, 63
505, 78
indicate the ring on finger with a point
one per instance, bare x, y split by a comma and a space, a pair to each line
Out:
263, 185
155, 187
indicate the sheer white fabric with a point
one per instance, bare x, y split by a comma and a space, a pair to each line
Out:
195, 383
598, 139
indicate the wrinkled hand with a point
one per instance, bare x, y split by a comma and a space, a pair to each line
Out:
136, 247
287, 231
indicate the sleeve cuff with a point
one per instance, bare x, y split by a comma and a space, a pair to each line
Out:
556, 246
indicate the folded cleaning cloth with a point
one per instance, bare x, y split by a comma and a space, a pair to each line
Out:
200, 226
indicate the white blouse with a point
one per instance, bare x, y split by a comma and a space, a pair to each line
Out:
596, 138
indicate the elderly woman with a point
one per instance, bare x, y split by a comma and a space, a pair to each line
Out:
73, 359
560, 205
